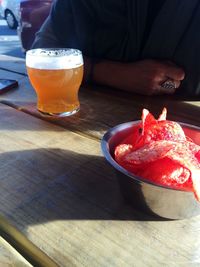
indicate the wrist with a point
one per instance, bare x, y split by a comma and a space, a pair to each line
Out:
89, 69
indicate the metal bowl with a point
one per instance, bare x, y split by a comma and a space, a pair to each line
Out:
144, 195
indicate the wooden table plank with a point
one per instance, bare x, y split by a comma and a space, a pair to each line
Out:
102, 108
86, 215
25, 248
10, 257
14, 64
10, 75
60, 193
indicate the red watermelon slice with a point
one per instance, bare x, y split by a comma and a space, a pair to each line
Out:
159, 151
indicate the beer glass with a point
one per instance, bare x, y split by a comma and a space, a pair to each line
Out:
56, 75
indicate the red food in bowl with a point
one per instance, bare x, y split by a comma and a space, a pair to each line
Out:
159, 151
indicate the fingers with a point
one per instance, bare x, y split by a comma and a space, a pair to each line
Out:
177, 83
163, 89
156, 76
174, 72
175, 75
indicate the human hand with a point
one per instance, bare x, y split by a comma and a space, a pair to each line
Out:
147, 76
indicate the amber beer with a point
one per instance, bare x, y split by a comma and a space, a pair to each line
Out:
56, 75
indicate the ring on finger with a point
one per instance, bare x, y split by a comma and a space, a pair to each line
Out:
168, 84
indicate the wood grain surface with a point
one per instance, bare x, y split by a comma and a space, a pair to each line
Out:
10, 257
102, 108
60, 193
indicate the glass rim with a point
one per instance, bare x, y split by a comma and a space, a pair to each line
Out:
54, 58
63, 52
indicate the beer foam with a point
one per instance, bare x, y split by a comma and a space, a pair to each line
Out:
53, 59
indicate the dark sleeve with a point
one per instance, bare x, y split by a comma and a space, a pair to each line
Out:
175, 36
73, 23
45, 37
99, 28
187, 54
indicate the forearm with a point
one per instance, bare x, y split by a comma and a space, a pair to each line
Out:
110, 73
143, 77
104, 72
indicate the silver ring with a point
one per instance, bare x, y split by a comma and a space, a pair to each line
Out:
169, 84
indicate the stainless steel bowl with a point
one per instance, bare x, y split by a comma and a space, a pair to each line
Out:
142, 194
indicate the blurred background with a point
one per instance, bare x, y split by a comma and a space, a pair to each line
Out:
19, 21
9, 40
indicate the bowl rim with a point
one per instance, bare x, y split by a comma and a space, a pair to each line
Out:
105, 150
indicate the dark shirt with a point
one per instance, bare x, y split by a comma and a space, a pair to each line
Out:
154, 7
131, 30
111, 29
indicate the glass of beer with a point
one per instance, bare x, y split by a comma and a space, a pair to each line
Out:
56, 75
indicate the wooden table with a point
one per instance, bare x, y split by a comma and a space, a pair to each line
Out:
60, 201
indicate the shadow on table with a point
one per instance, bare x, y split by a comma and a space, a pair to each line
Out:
44, 185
